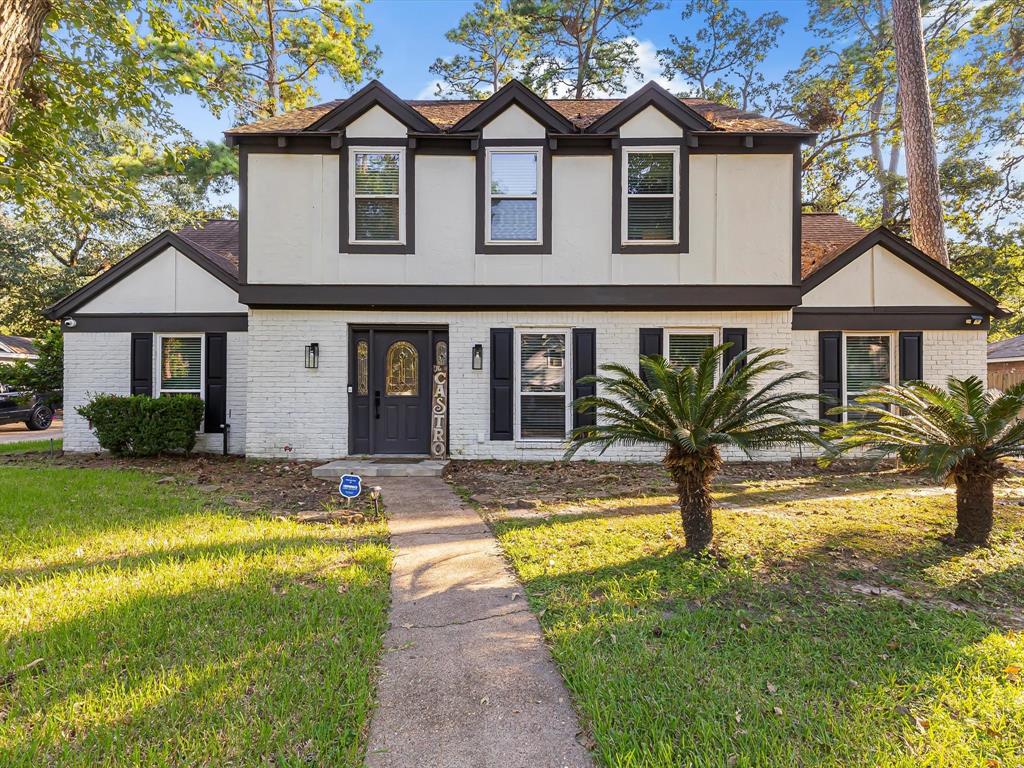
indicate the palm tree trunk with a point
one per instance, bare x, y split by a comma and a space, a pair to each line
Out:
692, 474
974, 503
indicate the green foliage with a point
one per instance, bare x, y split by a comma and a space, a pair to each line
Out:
498, 42
693, 410
144, 426
43, 376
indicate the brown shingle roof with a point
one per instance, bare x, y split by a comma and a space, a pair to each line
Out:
581, 112
823, 236
217, 240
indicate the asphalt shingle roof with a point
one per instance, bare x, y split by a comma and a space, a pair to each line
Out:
217, 240
1007, 348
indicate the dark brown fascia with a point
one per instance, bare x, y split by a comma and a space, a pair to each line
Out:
201, 322
654, 95
916, 258
888, 319
373, 94
514, 92
470, 297
132, 262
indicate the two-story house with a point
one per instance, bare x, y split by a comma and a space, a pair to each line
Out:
415, 275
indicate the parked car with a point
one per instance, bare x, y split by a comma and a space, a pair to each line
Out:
29, 407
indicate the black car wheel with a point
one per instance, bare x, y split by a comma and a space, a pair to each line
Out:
41, 418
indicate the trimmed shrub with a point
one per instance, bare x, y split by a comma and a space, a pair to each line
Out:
140, 425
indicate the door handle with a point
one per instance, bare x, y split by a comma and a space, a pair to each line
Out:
376, 404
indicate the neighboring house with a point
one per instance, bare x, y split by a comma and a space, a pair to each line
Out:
14, 348
1006, 362
511, 246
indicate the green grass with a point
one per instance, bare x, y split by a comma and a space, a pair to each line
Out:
765, 655
139, 627
29, 446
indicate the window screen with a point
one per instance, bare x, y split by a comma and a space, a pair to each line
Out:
181, 364
542, 375
377, 201
514, 198
685, 349
868, 365
650, 196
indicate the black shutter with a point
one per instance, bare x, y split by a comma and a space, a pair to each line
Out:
142, 364
911, 356
830, 371
584, 363
650, 345
738, 338
216, 382
501, 383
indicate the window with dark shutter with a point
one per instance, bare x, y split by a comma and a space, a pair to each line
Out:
216, 382
911, 356
501, 383
584, 363
651, 340
830, 372
737, 337
142, 364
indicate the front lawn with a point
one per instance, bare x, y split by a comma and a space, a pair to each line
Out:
144, 622
831, 627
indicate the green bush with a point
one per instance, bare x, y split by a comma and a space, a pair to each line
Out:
144, 426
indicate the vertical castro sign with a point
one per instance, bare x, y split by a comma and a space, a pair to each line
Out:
439, 403
350, 486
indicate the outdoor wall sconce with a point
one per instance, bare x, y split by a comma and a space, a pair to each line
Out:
313, 355
478, 357
974, 320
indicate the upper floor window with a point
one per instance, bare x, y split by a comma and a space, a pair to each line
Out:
376, 205
650, 195
513, 196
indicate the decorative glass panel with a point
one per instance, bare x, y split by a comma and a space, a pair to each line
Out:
868, 365
181, 361
377, 173
514, 219
376, 218
402, 377
685, 349
362, 368
650, 218
441, 354
650, 173
514, 174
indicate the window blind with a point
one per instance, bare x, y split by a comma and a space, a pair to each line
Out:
377, 203
685, 349
377, 173
650, 173
868, 365
181, 361
514, 173
542, 378
650, 196
514, 200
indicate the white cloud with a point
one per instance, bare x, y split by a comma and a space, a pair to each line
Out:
429, 91
650, 69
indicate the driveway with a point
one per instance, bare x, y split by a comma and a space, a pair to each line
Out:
19, 433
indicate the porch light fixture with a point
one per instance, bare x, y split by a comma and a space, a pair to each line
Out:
974, 320
478, 357
313, 355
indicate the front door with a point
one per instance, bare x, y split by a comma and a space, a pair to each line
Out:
400, 410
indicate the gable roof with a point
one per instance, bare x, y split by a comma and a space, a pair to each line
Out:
651, 95
444, 115
906, 251
823, 236
18, 346
213, 246
1006, 349
514, 92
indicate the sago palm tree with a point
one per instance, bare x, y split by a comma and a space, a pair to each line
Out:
695, 412
959, 434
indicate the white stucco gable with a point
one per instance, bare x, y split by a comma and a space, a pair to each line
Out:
376, 123
169, 283
880, 278
650, 123
513, 123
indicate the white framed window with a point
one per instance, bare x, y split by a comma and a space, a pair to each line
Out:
684, 346
868, 362
650, 195
513, 183
376, 204
180, 364
543, 405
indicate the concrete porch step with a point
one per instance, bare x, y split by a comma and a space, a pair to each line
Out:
381, 466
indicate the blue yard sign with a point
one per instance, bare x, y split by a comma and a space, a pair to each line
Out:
350, 486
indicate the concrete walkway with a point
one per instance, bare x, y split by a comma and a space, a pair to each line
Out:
466, 679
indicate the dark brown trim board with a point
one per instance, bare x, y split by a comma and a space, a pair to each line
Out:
214, 322
243, 214
888, 319
466, 297
798, 222
344, 244
544, 247
514, 92
682, 179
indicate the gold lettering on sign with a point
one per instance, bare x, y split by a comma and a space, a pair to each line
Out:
439, 413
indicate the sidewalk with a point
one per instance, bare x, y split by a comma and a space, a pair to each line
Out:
466, 679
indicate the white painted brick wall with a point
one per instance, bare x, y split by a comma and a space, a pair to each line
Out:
96, 363
954, 353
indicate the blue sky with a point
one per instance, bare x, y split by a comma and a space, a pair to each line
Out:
410, 34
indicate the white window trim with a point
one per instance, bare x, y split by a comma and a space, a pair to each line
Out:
352, 152
158, 356
892, 360
567, 384
624, 175
716, 334
539, 197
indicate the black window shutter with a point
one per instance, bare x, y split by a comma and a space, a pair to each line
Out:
216, 382
911, 356
501, 383
830, 371
584, 363
142, 364
650, 345
738, 338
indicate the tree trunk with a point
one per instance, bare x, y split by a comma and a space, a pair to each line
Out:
974, 503
21, 27
926, 223
692, 474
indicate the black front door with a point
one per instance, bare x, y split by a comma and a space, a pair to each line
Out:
400, 409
